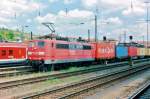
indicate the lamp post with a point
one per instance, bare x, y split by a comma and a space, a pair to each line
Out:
147, 21
89, 35
95, 28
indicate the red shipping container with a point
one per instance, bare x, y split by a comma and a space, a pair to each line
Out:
132, 51
105, 50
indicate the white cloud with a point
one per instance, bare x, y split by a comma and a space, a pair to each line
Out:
76, 13
106, 3
114, 20
62, 16
29, 20
124, 6
138, 9
3, 26
68, 1
18, 6
10, 8
4, 20
89, 3
65, 1
116, 3
11, 11
135, 11
69, 22
49, 17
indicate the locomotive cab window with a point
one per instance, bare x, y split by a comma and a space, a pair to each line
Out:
41, 44
31, 44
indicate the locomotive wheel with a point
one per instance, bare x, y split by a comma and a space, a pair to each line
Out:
52, 67
43, 68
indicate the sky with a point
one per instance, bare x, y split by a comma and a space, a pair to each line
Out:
114, 17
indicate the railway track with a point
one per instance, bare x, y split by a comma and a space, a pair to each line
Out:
15, 70
14, 83
140, 91
20, 70
10, 84
75, 89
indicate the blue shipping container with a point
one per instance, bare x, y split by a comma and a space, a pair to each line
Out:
121, 51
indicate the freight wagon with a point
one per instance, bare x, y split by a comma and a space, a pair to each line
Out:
132, 51
121, 51
105, 50
141, 52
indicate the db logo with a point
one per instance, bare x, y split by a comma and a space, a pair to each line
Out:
106, 50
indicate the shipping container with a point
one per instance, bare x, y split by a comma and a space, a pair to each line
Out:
105, 50
121, 51
146, 52
132, 51
141, 52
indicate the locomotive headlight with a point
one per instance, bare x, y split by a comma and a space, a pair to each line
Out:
41, 53
29, 53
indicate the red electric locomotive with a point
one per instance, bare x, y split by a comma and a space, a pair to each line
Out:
43, 53
13, 53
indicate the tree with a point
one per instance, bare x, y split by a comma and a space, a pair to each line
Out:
1, 38
10, 35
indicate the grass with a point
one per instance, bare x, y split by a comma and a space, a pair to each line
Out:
64, 80
71, 69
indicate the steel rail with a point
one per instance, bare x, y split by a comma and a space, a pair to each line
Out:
59, 75
80, 85
140, 90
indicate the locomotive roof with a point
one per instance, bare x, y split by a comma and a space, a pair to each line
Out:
48, 40
8, 44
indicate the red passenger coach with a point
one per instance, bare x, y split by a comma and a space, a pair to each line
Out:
13, 53
105, 50
56, 51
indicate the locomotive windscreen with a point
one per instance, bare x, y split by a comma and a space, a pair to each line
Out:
32, 44
38, 44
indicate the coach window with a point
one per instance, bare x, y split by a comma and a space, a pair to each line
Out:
79, 47
86, 47
3, 52
10, 52
72, 46
41, 44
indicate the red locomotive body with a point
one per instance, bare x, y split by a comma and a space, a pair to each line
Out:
56, 51
13, 53
105, 50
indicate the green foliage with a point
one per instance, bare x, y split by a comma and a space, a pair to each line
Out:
6, 34
1, 37
10, 35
